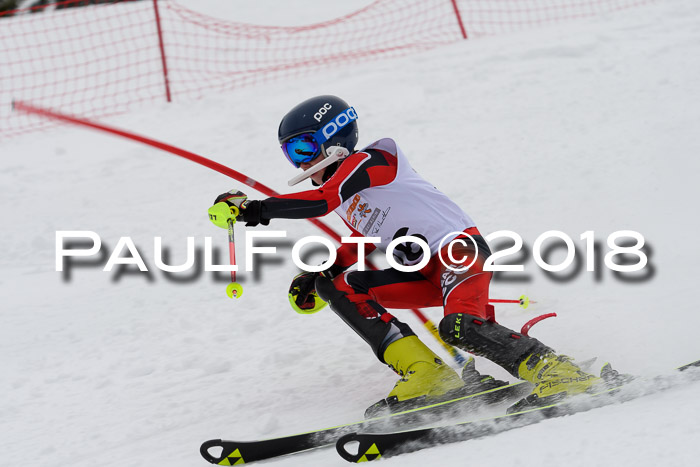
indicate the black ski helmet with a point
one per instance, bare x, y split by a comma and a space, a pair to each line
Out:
330, 116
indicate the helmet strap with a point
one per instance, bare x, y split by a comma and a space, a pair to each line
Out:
330, 170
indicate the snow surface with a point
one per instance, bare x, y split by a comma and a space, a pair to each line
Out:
588, 125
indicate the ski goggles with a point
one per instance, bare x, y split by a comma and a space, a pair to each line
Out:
301, 148
307, 146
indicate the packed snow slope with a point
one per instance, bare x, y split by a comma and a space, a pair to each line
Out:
584, 126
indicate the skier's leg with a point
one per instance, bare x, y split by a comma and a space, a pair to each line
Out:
466, 326
357, 297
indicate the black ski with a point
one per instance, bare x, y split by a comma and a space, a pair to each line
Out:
375, 445
239, 452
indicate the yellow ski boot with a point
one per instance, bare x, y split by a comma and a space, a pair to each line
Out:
555, 377
424, 377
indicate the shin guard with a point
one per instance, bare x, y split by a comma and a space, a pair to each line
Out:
490, 340
378, 332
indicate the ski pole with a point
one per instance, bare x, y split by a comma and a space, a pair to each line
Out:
234, 289
524, 301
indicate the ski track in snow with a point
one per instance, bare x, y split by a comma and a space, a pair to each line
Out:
588, 125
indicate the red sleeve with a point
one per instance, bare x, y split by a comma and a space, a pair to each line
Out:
359, 171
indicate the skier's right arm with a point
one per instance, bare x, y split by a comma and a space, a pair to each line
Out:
359, 171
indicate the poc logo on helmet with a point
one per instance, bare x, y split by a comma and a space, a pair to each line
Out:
322, 111
343, 118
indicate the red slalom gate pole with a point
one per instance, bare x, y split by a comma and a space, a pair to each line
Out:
162, 50
459, 19
526, 327
229, 172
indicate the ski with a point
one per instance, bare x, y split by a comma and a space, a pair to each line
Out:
375, 445
240, 452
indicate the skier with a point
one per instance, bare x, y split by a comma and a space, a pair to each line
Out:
378, 194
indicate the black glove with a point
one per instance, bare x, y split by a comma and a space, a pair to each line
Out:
249, 211
303, 290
